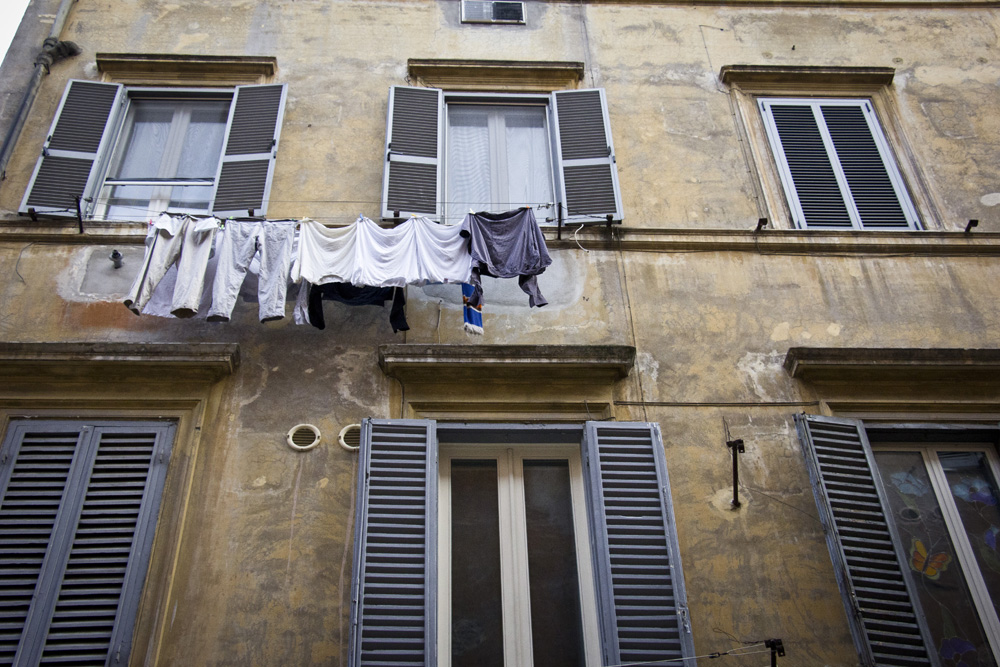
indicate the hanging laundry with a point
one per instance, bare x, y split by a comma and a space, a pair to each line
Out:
309, 305
503, 245
271, 241
181, 240
417, 252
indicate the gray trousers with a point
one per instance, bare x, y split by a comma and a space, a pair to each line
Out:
239, 243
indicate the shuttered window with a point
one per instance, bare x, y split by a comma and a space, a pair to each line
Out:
633, 578
447, 153
129, 154
78, 508
910, 525
836, 166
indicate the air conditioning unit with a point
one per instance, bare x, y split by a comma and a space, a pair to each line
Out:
492, 11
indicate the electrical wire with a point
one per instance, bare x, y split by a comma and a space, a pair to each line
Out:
735, 652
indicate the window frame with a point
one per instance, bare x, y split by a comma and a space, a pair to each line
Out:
120, 134
888, 159
748, 83
516, 600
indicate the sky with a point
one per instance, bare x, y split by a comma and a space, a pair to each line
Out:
11, 12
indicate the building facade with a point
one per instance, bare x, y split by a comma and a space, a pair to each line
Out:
773, 246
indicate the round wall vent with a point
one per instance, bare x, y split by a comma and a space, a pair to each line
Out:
303, 437
350, 437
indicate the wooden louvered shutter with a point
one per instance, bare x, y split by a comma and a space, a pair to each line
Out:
393, 610
243, 182
641, 600
585, 155
414, 142
885, 618
836, 166
78, 507
79, 136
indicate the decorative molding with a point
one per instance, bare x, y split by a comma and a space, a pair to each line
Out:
496, 75
772, 75
852, 364
186, 70
592, 364
144, 363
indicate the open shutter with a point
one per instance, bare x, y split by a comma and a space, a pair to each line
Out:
69, 165
414, 142
885, 618
835, 165
585, 155
393, 610
243, 183
107, 480
640, 586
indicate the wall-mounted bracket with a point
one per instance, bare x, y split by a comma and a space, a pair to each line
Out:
737, 448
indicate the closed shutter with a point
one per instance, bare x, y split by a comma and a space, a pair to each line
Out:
393, 611
884, 616
587, 172
836, 166
78, 507
641, 600
411, 182
69, 163
243, 183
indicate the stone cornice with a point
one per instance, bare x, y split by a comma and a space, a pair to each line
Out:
179, 69
851, 364
496, 75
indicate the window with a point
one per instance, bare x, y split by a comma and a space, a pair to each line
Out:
836, 167
78, 508
912, 516
447, 153
132, 153
514, 575
569, 529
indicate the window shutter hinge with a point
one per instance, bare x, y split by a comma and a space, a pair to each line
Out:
6, 457
684, 619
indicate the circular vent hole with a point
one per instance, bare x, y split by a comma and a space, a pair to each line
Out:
350, 437
303, 437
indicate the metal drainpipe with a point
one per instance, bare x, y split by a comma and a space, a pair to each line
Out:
52, 51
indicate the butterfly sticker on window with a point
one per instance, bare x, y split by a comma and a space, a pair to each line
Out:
929, 565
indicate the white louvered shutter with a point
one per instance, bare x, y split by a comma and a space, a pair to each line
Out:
69, 165
836, 166
78, 507
585, 157
243, 183
414, 141
641, 599
884, 615
393, 610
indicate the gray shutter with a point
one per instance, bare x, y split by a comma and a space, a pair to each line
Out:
414, 143
641, 600
79, 136
393, 610
243, 182
585, 155
85, 592
884, 616
835, 165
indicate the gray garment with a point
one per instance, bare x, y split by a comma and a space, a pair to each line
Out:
188, 243
240, 242
507, 245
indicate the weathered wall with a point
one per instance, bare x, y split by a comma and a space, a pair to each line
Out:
262, 567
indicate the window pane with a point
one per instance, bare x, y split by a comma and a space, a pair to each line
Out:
975, 493
129, 202
147, 140
202, 143
556, 622
529, 170
933, 568
476, 611
469, 175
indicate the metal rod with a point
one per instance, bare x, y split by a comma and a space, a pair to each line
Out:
738, 448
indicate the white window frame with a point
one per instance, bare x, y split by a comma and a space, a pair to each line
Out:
116, 150
514, 548
498, 176
885, 152
953, 522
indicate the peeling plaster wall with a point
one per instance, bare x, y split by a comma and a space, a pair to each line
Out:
263, 567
